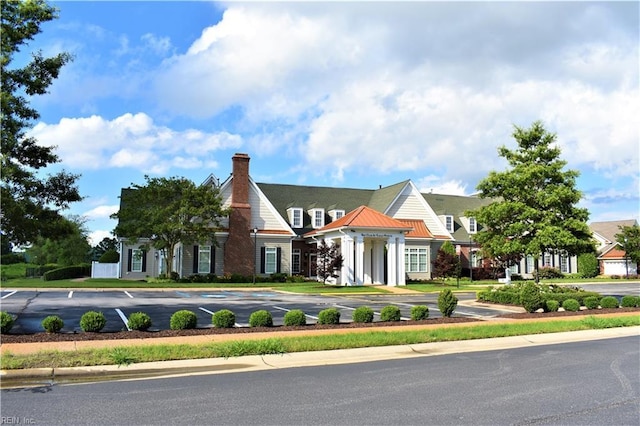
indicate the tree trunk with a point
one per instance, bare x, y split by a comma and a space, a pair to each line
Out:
536, 270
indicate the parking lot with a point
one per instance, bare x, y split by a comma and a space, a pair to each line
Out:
30, 307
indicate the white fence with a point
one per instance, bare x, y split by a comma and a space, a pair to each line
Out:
104, 270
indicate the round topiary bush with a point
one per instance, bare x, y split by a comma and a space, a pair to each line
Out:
295, 317
609, 302
591, 302
419, 312
329, 316
261, 318
629, 301
571, 305
552, 305
6, 322
139, 321
362, 314
52, 324
183, 320
531, 297
224, 318
390, 313
447, 303
92, 321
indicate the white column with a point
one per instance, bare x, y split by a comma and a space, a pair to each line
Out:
401, 269
359, 260
346, 248
391, 262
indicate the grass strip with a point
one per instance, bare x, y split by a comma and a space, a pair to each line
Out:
124, 355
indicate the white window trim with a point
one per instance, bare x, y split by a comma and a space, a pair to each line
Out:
313, 213
418, 252
446, 225
136, 260
296, 254
473, 225
201, 250
336, 214
291, 213
269, 252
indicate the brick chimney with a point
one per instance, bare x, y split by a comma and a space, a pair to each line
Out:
239, 250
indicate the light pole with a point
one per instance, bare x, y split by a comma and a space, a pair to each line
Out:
626, 260
470, 263
255, 252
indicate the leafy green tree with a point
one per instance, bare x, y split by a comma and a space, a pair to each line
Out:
588, 265
31, 203
168, 211
106, 245
71, 249
447, 262
329, 260
534, 209
629, 239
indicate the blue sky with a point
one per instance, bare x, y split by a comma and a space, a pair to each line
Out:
355, 94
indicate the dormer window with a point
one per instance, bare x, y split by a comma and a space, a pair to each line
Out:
336, 214
317, 218
473, 226
448, 222
295, 217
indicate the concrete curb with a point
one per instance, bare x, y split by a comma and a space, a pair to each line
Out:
15, 378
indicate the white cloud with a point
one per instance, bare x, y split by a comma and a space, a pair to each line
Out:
101, 212
435, 184
96, 236
130, 140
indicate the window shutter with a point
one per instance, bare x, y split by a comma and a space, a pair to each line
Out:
262, 260
129, 259
195, 259
278, 259
144, 261
212, 258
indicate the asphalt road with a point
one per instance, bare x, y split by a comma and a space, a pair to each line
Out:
31, 307
585, 383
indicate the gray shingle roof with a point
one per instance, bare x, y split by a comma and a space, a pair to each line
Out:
455, 205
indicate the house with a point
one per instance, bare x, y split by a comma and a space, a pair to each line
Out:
611, 255
386, 235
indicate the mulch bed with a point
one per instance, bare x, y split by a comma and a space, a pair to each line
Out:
59, 337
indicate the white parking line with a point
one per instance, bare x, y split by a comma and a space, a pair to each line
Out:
128, 294
206, 310
70, 295
124, 318
289, 310
10, 294
211, 313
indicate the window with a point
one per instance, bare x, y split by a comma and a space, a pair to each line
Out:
270, 260
529, 266
336, 214
137, 260
317, 218
547, 260
415, 259
472, 225
204, 260
295, 217
564, 263
474, 259
515, 268
448, 222
295, 261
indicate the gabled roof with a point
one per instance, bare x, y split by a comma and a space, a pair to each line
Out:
456, 206
608, 230
419, 230
364, 217
382, 198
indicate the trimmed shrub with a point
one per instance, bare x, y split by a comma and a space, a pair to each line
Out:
591, 302
92, 321
139, 321
52, 324
530, 297
12, 258
362, 314
550, 273
6, 322
223, 318
609, 302
419, 312
447, 303
588, 265
261, 318
183, 320
68, 272
295, 317
390, 313
630, 301
571, 305
329, 316
552, 305
109, 256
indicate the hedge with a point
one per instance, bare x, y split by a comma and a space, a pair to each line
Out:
68, 272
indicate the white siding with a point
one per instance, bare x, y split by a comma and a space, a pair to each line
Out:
411, 205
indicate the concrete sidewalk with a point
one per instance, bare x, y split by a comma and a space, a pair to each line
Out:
40, 376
